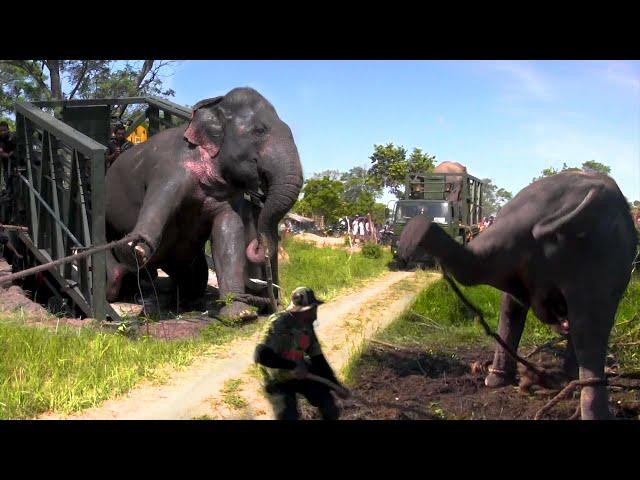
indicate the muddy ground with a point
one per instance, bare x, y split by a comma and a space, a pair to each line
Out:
443, 385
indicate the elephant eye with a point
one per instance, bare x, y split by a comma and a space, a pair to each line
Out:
259, 131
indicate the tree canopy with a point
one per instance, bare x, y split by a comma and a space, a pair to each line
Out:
34, 80
391, 167
588, 166
494, 198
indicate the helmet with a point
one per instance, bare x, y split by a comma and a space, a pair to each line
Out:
303, 299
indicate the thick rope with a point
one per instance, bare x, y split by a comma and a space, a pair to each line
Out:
488, 330
71, 258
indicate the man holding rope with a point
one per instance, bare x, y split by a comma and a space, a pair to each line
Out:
282, 353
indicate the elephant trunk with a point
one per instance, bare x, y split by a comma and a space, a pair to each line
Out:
462, 262
282, 172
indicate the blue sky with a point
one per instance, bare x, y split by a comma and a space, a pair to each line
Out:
505, 120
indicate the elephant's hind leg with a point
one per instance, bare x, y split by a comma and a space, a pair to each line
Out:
512, 318
590, 323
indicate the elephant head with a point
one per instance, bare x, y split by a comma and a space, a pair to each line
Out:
253, 148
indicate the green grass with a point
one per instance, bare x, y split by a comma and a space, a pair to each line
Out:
437, 319
70, 369
230, 396
67, 369
327, 270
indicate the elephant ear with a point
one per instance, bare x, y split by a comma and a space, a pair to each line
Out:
206, 125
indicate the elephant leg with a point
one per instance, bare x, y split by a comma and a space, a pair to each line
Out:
116, 271
590, 323
229, 257
190, 279
160, 203
510, 327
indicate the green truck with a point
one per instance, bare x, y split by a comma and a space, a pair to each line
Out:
452, 200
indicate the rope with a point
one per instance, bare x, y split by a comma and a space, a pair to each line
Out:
68, 259
488, 330
366, 402
571, 386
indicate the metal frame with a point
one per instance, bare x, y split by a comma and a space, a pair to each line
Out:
60, 192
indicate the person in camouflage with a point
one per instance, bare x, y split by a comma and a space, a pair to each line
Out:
287, 352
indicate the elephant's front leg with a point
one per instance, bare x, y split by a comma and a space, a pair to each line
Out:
512, 318
229, 256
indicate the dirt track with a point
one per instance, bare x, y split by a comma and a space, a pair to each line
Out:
343, 324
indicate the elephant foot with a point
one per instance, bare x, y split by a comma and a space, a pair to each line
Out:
238, 312
142, 252
150, 307
500, 378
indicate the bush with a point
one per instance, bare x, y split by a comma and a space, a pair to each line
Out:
371, 250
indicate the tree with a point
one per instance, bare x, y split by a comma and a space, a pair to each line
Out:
590, 166
322, 197
331, 174
391, 167
494, 198
34, 80
357, 182
596, 167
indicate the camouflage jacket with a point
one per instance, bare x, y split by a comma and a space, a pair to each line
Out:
289, 338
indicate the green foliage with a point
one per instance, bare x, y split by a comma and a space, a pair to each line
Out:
371, 250
70, 369
391, 167
37, 80
596, 167
322, 197
494, 198
588, 166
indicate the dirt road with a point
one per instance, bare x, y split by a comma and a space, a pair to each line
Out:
224, 384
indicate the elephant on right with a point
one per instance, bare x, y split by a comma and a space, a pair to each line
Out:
564, 247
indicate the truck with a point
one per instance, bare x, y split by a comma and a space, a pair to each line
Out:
453, 200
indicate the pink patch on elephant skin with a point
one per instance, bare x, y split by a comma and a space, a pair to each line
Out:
255, 252
204, 167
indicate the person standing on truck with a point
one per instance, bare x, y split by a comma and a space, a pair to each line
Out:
117, 145
288, 351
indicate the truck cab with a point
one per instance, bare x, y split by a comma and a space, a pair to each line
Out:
453, 201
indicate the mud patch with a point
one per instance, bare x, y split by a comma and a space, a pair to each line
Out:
445, 384
14, 299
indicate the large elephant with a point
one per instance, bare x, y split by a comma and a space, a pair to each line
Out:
563, 247
186, 185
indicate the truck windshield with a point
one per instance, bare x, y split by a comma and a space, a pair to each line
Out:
439, 212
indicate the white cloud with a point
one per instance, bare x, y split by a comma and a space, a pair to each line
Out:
523, 80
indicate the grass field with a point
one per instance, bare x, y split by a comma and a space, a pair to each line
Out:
69, 369
437, 319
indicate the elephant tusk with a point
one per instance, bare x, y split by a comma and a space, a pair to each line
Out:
263, 282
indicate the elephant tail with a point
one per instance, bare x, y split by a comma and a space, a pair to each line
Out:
556, 223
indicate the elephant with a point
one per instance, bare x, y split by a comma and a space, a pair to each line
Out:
455, 189
187, 184
562, 247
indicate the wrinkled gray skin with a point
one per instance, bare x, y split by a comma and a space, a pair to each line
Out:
185, 185
562, 247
